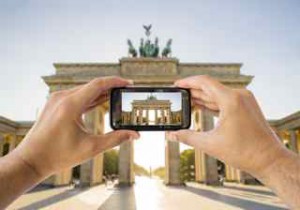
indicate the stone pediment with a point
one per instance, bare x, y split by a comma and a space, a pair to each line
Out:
149, 66
144, 71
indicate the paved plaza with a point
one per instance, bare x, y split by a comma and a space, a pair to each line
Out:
151, 194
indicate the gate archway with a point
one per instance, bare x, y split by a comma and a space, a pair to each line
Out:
147, 72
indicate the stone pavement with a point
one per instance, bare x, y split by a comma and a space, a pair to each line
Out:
153, 195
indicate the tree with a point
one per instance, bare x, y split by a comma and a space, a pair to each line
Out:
140, 171
160, 172
110, 160
187, 165
111, 163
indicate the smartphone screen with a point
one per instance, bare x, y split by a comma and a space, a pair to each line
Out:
150, 108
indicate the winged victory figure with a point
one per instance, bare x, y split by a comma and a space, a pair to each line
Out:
147, 28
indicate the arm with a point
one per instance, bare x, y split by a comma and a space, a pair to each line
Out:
59, 139
16, 177
242, 137
283, 177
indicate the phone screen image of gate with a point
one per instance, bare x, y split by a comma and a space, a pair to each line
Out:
151, 108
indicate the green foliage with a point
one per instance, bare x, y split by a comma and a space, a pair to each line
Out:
140, 171
187, 165
111, 162
160, 172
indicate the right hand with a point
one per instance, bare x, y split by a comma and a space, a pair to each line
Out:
242, 137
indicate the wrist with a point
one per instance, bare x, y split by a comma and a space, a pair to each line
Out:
283, 178
16, 177
26, 168
280, 158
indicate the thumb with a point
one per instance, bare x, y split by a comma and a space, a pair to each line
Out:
199, 140
103, 142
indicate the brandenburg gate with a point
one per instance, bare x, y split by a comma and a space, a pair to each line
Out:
147, 69
141, 108
146, 72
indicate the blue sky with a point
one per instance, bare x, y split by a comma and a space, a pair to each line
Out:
175, 99
264, 35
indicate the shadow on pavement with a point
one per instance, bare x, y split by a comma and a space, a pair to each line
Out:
249, 190
39, 188
122, 198
53, 199
237, 202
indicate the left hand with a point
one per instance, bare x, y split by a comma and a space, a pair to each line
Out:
59, 139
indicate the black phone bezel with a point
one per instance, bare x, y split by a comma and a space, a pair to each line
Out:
149, 127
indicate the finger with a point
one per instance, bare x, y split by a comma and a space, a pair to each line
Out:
74, 89
215, 113
199, 94
107, 141
212, 88
199, 82
99, 101
209, 105
192, 138
92, 90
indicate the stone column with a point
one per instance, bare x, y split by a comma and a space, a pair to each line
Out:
172, 159
136, 116
207, 172
133, 116
91, 170
293, 141
147, 116
97, 161
199, 155
228, 174
168, 116
162, 113
12, 142
232, 174
247, 178
126, 173
63, 177
155, 111
1, 144
140, 116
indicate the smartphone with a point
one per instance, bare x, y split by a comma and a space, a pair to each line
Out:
150, 108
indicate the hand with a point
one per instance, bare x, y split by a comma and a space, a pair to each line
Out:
242, 137
59, 139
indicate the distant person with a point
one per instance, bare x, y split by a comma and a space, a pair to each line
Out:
242, 138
